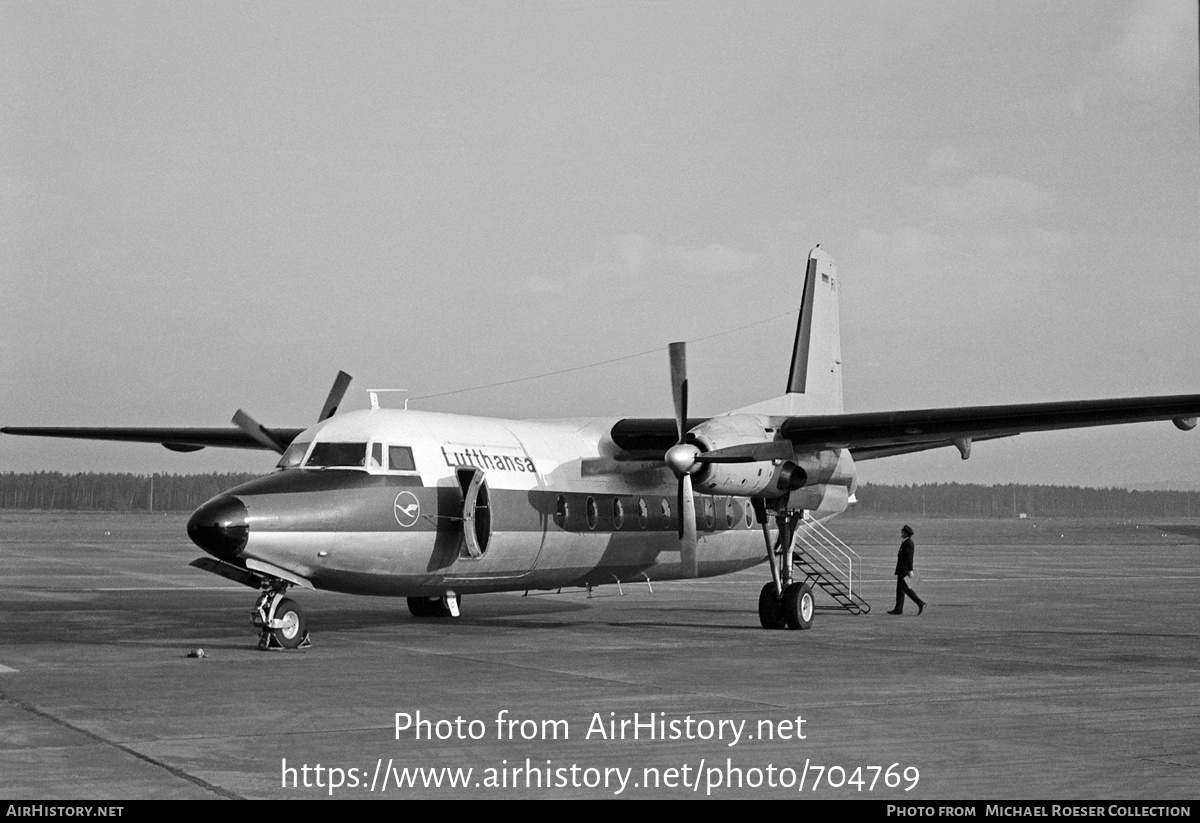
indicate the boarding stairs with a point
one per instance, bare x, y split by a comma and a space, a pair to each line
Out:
825, 561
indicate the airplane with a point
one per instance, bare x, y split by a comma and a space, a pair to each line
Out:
431, 506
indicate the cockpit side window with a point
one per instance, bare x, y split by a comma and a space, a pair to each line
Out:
400, 459
293, 456
338, 454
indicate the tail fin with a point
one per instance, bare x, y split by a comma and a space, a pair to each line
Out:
814, 383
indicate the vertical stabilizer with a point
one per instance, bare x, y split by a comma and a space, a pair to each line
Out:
814, 384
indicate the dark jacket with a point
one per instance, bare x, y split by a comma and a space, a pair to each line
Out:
904, 560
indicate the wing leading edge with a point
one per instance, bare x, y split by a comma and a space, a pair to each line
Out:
871, 435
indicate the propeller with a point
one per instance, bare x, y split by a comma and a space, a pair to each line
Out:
258, 431
273, 441
685, 459
681, 459
336, 393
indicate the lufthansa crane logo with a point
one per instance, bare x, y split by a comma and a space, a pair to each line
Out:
407, 509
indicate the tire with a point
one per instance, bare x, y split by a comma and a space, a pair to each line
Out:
292, 633
770, 611
421, 606
798, 606
428, 607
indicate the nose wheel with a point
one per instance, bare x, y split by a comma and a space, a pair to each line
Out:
279, 619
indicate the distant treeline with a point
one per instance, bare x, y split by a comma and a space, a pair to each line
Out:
113, 492
966, 500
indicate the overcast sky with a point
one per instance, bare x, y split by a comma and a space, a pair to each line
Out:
213, 205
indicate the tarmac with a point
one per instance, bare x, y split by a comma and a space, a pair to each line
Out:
1058, 660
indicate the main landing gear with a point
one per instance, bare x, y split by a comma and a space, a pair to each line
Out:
791, 610
783, 603
444, 606
279, 618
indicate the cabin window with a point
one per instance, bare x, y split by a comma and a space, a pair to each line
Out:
591, 513
749, 515
666, 510
294, 455
618, 513
643, 512
710, 516
338, 455
730, 516
400, 459
561, 512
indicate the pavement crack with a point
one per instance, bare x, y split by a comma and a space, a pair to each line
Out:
177, 772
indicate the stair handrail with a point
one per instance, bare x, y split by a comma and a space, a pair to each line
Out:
838, 559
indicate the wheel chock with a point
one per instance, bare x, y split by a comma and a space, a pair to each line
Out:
268, 643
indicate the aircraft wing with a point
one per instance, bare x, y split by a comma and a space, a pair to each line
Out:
247, 433
175, 439
871, 435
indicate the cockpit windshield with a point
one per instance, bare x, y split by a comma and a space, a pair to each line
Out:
337, 454
294, 454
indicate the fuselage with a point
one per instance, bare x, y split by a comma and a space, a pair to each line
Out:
412, 503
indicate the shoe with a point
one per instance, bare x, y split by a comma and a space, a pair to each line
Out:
920, 608
893, 611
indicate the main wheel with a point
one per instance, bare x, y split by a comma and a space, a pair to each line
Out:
770, 608
798, 606
428, 607
422, 606
290, 633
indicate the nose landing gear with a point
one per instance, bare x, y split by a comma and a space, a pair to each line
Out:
279, 618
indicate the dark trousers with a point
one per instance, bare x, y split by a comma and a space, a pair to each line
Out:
903, 589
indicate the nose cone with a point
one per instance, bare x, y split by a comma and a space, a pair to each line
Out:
220, 527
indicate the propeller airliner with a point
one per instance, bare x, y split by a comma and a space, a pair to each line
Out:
431, 506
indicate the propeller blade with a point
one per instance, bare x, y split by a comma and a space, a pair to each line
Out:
340, 384
687, 528
678, 355
258, 431
680, 459
749, 453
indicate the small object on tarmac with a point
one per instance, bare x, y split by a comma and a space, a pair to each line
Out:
197, 653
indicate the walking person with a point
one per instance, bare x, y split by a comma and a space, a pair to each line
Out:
904, 568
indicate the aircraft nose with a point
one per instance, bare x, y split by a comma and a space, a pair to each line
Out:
220, 527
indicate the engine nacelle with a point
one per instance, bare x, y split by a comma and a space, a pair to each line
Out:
761, 479
832, 481
823, 498
767, 479
758, 479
